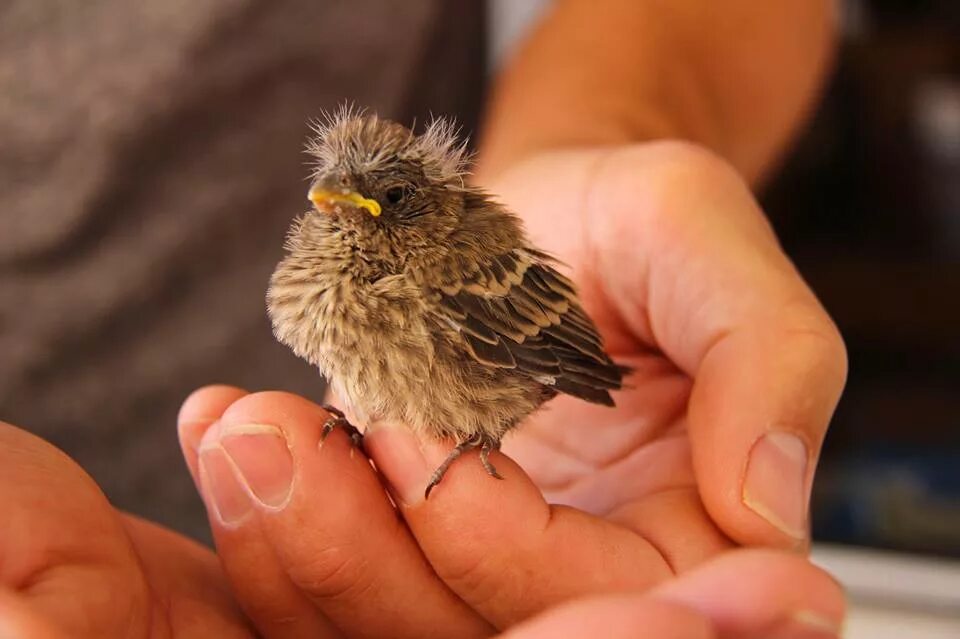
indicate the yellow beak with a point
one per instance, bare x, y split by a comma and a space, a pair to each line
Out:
322, 196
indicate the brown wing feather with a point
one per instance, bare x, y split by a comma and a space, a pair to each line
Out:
517, 312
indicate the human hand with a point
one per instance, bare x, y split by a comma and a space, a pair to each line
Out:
73, 566
738, 367
714, 444
687, 283
743, 594
314, 525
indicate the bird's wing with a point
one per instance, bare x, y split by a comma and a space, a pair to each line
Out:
516, 311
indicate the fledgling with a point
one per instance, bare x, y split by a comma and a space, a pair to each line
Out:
420, 297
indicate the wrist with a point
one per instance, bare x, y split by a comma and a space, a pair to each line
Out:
506, 143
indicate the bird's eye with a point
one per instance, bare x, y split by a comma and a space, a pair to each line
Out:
395, 194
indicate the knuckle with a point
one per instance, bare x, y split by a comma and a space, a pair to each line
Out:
336, 573
686, 155
812, 333
474, 577
678, 163
676, 189
825, 351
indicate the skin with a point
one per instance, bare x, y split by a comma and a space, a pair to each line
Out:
680, 269
87, 570
75, 566
303, 567
671, 458
737, 78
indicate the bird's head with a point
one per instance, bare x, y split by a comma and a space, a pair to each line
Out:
384, 187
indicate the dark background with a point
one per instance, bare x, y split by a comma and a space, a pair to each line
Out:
868, 205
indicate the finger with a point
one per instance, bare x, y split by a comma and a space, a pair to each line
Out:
497, 543
753, 593
721, 299
64, 548
303, 526
749, 594
278, 607
199, 411
616, 617
19, 620
188, 578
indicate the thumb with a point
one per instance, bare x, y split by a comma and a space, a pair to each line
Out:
722, 301
745, 593
758, 414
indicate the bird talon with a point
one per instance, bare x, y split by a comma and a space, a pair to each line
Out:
333, 410
485, 460
357, 438
327, 428
338, 420
434, 480
485, 445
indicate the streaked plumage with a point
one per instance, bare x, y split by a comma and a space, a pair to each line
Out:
420, 298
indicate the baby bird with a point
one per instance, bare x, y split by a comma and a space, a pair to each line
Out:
420, 298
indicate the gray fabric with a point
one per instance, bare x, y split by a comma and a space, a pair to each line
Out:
150, 162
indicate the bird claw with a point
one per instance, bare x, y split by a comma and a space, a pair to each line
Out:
485, 450
338, 420
484, 443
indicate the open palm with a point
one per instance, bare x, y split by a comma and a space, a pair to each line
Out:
688, 284
713, 444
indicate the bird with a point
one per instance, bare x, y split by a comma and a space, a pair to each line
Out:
420, 297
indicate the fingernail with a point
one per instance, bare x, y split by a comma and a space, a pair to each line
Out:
398, 456
227, 498
262, 458
192, 431
775, 485
816, 621
806, 624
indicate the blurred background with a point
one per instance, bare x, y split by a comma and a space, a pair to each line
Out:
868, 206
196, 106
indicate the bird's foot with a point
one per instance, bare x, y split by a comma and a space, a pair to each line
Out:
338, 420
486, 445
